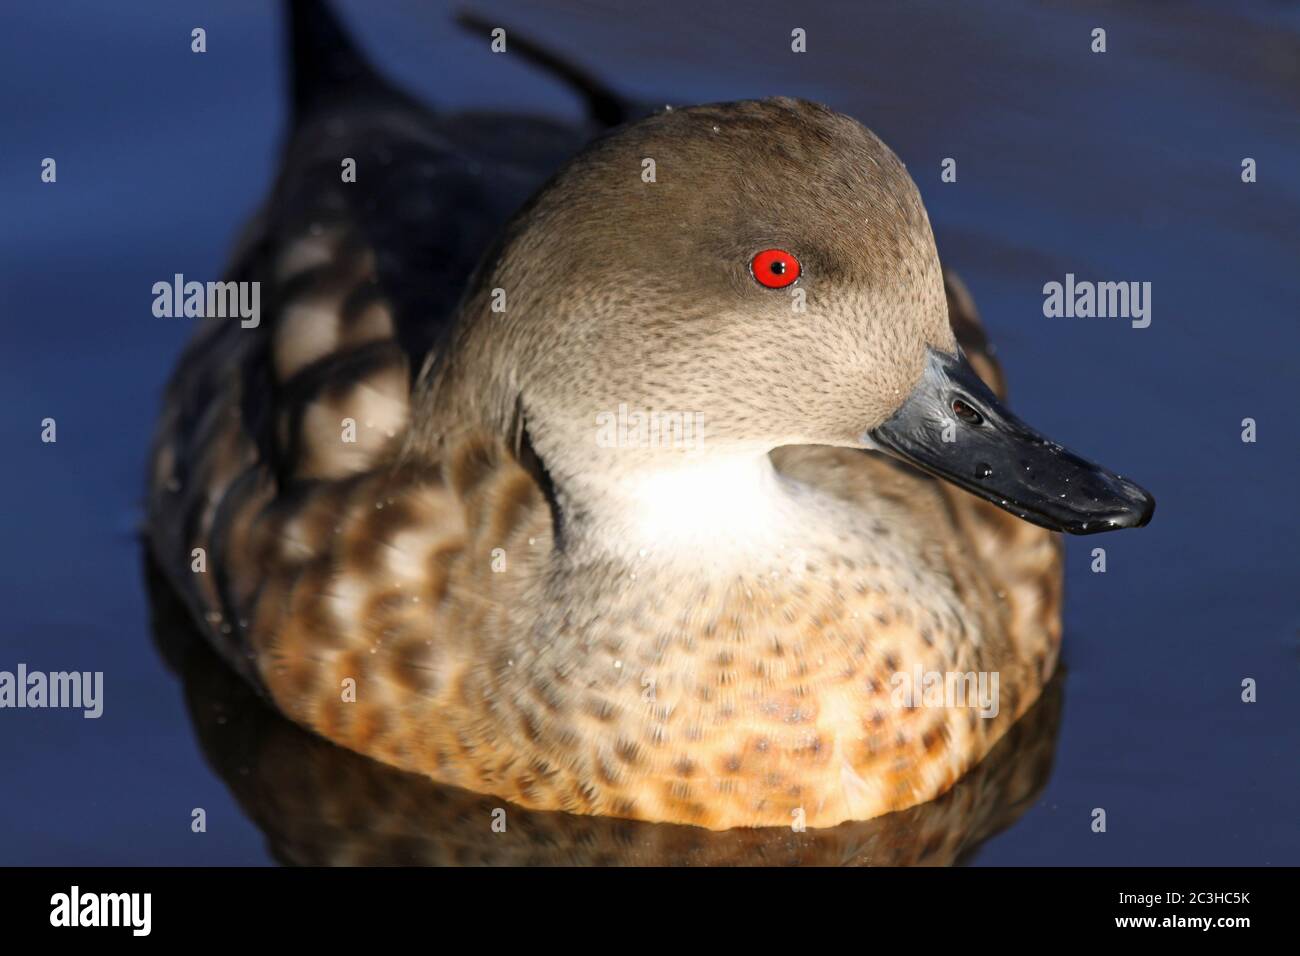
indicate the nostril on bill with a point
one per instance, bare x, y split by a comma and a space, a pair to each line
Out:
963, 410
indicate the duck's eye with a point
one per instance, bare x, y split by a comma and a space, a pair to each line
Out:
775, 268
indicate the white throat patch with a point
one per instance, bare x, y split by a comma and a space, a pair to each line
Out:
699, 511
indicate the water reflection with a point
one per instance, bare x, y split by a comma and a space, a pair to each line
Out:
319, 804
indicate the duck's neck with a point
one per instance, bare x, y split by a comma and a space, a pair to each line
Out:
714, 509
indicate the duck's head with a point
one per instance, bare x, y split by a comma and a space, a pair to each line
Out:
746, 276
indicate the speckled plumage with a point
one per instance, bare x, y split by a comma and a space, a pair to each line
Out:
467, 567
320, 804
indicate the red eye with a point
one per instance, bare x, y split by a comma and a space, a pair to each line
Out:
775, 268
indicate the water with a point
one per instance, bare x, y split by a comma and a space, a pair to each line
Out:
1123, 166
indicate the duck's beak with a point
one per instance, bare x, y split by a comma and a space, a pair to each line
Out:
952, 426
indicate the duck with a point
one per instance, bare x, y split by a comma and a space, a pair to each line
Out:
395, 505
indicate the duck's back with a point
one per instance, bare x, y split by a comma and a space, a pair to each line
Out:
379, 214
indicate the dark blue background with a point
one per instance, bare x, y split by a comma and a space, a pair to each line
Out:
1122, 166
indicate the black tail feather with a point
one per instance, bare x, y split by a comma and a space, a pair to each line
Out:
324, 61
326, 64
603, 104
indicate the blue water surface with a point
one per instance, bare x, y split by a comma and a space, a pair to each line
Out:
1117, 166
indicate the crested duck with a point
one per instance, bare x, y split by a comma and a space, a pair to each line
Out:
647, 490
